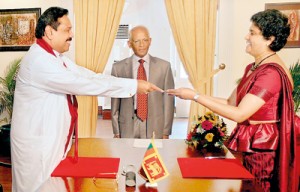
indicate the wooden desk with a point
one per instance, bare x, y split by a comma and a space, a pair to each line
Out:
171, 149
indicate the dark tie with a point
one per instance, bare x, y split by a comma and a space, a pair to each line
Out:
142, 99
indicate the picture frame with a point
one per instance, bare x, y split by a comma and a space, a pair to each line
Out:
17, 28
292, 11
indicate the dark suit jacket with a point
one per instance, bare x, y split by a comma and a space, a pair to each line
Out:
160, 105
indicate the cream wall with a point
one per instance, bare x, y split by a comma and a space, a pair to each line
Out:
234, 23
233, 26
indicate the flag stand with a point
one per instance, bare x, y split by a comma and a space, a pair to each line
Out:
153, 168
148, 184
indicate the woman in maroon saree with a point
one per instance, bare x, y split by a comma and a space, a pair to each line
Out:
259, 142
262, 106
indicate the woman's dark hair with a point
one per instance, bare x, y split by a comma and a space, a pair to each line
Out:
272, 22
49, 17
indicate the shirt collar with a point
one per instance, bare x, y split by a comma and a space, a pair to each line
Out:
146, 58
57, 54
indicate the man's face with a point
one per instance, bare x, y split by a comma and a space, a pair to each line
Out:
62, 37
140, 42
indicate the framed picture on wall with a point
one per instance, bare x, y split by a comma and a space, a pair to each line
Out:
17, 28
292, 10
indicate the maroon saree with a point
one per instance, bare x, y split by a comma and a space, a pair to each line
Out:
286, 175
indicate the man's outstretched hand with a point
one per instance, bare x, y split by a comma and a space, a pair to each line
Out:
147, 87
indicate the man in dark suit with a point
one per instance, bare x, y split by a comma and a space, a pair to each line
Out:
129, 120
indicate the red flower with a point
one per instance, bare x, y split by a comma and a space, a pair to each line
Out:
207, 132
207, 125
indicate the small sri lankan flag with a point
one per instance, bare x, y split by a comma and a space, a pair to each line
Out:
153, 168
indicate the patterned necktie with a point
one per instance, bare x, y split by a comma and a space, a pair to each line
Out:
142, 99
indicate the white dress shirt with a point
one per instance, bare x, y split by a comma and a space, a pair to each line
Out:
41, 117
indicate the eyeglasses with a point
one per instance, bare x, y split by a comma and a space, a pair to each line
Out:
137, 42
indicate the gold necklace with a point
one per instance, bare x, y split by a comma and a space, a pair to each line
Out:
254, 66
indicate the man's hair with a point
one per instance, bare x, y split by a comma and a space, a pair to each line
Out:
272, 22
49, 17
136, 28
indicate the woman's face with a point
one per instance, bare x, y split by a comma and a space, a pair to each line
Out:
256, 44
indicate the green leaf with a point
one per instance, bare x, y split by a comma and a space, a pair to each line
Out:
8, 84
295, 72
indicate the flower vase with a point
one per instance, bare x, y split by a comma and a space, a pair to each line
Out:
209, 149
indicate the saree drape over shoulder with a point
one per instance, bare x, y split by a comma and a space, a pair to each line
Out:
280, 137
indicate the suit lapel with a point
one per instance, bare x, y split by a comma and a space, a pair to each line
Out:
128, 67
152, 68
129, 72
152, 76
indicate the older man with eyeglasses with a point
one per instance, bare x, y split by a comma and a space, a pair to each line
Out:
143, 114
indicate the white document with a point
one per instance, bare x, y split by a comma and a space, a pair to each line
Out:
144, 143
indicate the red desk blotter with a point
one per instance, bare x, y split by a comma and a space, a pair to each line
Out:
213, 168
87, 167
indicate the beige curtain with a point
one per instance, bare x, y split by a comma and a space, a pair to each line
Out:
193, 23
96, 25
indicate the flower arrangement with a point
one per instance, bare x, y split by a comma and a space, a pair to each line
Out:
207, 132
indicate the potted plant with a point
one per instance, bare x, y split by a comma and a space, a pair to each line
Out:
7, 83
295, 72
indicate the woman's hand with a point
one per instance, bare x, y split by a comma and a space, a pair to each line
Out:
183, 93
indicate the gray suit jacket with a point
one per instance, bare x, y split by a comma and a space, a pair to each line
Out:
160, 105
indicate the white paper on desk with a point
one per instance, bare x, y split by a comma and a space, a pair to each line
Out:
229, 155
144, 143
